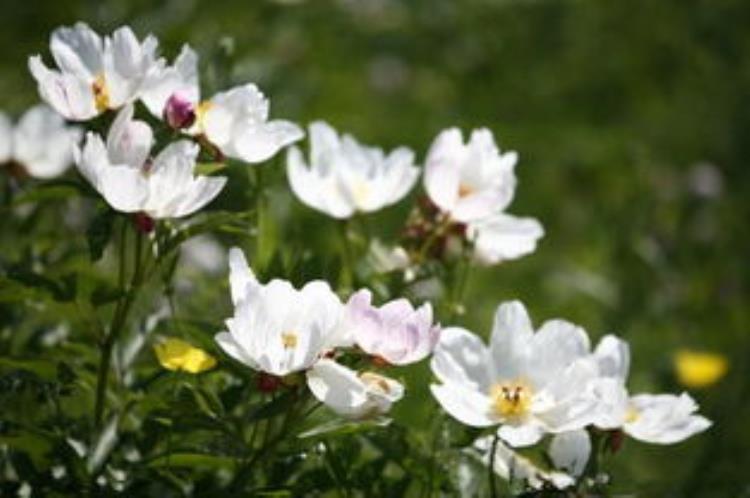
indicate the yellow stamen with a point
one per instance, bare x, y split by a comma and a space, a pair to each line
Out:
376, 381
200, 112
101, 93
510, 399
631, 415
289, 340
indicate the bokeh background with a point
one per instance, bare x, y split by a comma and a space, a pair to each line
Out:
631, 119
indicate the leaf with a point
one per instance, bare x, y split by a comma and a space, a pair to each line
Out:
207, 169
276, 407
195, 460
104, 445
205, 222
53, 190
99, 233
344, 427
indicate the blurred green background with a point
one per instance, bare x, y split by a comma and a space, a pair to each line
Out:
632, 123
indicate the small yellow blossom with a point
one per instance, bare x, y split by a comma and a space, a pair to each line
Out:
176, 354
699, 369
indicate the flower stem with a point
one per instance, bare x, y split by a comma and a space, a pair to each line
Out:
491, 467
346, 278
118, 323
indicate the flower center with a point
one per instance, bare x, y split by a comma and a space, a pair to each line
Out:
375, 382
631, 415
289, 340
200, 112
101, 93
510, 399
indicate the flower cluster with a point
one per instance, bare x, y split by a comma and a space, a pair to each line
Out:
527, 385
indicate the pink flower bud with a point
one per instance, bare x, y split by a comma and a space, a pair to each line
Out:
179, 112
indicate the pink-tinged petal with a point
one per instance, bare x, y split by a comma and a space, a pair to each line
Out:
69, 95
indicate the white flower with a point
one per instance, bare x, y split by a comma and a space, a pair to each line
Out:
344, 177
570, 451
529, 383
41, 142
395, 332
122, 172
660, 419
469, 181
235, 121
94, 74
501, 237
352, 394
513, 467
276, 328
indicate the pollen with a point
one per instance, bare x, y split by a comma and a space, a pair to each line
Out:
101, 93
289, 340
465, 190
631, 415
510, 400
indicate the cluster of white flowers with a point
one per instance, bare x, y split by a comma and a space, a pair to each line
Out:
532, 383
527, 384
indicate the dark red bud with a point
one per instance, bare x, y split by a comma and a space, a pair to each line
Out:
144, 223
267, 383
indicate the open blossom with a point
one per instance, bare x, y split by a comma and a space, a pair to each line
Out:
469, 181
130, 181
528, 383
501, 237
234, 121
93, 74
344, 177
276, 328
660, 418
40, 143
395, 332
352, 394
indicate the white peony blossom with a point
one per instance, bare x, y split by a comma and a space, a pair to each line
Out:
660, 418
276, 328
528, 383
344, 177
235, 121
469, 181
94, 74
130, 181
352, 394
41, 142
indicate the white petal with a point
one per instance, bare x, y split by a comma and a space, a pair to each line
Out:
231, 347
67, 94
466, 405
77, 50
337, 387
460, 357
255, 144
613, 356
519, 436
510, 344
441, 176
503, 237
6, 138
665, 418
161, 83
43, 144
240, 275
570, 451
128, 141
557, 345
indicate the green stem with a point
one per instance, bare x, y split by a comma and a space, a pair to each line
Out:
118, 323
430, 241
346, 279
491, 467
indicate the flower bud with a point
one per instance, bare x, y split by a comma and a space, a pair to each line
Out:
179, 112
144, 223
267, 383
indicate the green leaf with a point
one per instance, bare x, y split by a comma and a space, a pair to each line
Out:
276, 407
194, 460
99, 233
344, 427
209, 168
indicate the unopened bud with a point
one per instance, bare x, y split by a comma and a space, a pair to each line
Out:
179, 112
268, 383
144, 223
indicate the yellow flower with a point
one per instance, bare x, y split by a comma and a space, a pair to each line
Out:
176, 354
699, 369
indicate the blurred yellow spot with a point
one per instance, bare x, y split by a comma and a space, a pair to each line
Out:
699, 369
289, 340
631, 415
200, 112
176, 354
510, 399
101, 93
